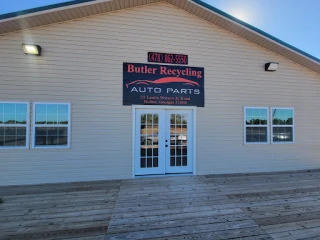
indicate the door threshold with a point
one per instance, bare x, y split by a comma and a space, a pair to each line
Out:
163, 175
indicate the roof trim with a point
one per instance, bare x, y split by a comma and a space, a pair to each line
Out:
43, 8
211, 8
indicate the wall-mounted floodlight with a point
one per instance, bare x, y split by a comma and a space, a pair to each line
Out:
31, 49
271, 66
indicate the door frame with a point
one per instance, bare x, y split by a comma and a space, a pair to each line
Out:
194, 118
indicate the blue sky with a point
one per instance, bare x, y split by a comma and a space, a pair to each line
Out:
295, 22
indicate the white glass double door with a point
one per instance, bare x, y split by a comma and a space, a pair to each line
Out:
163, 141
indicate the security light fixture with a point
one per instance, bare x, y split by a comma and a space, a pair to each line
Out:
271, 66
31, 49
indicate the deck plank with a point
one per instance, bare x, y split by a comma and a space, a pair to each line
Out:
239, 206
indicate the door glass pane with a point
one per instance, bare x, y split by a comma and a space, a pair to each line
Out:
155, 162
143, 162
178, 140
149, 140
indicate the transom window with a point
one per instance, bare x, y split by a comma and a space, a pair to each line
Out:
14, 122
282, 125
51, 125
256, 125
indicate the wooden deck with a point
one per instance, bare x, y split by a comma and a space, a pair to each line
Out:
257, 206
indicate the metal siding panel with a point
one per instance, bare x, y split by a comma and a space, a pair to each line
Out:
49, 18
38, 20
181, 3
84, 11
135, 2
32, 21
117, 4
13, 26
173, 2
59, 16
113, 6
212, 18
237, 30
218, 21
127, 4
259, 41
185, 5
8, 27
223, 23
103, 7
108, 6
94, 9
79, 12
100, 8
25, 23
2, 29
233, 28
73, 13
228, 26
254, 38
197, 11
244, 34
193, 9
44, 19
122, 4
131, 3
88, 10
67, 14
53, 16
206, 16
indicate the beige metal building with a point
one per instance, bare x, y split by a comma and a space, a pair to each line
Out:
63, 116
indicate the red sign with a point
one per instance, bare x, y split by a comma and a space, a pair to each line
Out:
167, 58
